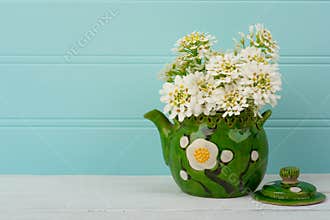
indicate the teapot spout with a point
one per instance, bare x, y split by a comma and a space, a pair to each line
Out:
164, 127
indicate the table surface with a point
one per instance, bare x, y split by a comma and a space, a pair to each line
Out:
78, 197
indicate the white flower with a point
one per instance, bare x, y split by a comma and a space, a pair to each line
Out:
202, 88
214, 101
262, 82
233, 101
263, 35
275, 56
177, 98
262, 38
203, 81
163, 74
250, 54
226, 67
202, 154
195, 42
203, 50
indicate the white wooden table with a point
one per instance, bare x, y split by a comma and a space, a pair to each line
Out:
129, 197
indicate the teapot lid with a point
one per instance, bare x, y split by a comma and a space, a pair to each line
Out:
289, 191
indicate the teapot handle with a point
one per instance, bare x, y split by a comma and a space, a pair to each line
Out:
264, 117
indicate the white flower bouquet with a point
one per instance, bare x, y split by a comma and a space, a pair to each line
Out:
202, 81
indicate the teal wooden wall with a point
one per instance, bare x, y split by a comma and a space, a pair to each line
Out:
77, 76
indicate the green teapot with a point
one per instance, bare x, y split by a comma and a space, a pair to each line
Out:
212, 156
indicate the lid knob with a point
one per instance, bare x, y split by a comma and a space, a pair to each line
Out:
289, 175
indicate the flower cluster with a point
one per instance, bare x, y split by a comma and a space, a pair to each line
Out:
204, 81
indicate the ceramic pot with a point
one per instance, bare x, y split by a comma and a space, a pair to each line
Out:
211, 156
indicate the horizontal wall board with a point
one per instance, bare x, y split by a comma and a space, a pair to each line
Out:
136, 123
122, 91
151, 28
78, 91
305, 93
307, 148
136, 151
138, 59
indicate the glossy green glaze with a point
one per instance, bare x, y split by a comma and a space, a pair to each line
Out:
245, 138
289, 191
317, 198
